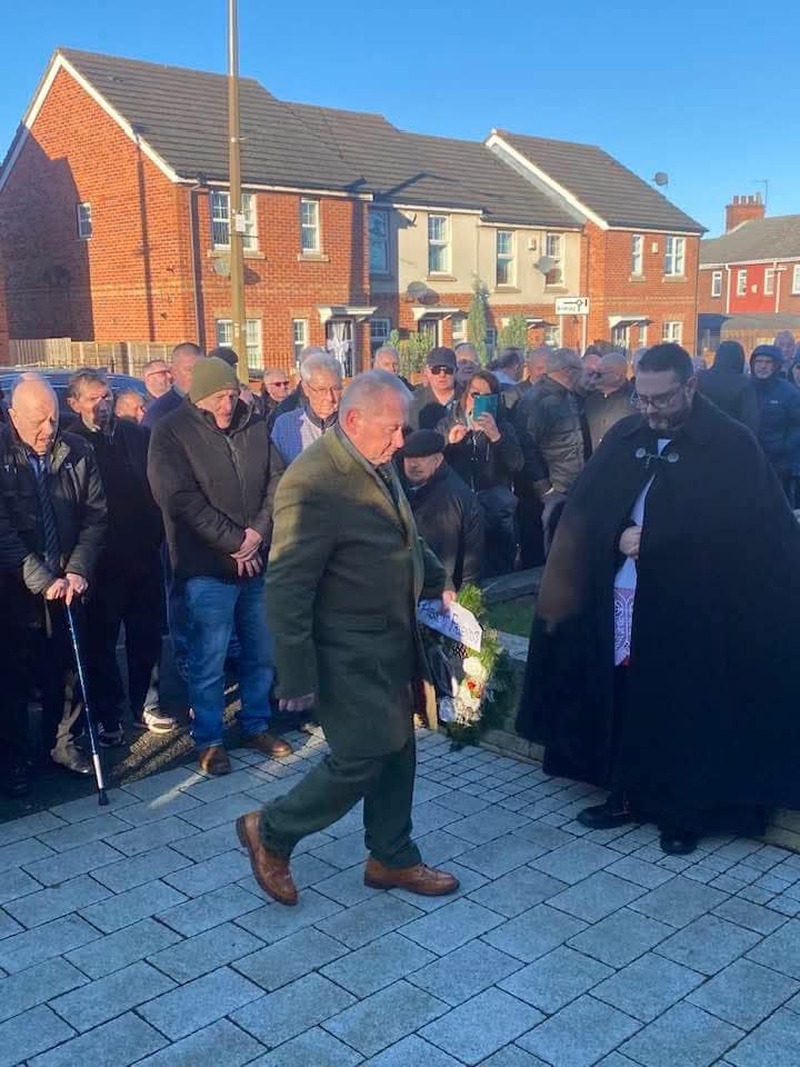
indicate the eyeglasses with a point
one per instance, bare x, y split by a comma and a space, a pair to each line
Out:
278, 385
442, 370
476, 395
322, 389
659, 402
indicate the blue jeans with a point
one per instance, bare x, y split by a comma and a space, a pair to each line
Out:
215, 610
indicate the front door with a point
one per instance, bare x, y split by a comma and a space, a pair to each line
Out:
430, 325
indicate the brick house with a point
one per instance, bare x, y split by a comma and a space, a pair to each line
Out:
749, 285
114, 214
445, 214
639, 255
114, 224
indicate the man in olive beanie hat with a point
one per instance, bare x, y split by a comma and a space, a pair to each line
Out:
213, 472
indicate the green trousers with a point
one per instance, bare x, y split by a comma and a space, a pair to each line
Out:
333, 787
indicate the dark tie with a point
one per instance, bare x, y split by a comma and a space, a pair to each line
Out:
385, 472
52, 549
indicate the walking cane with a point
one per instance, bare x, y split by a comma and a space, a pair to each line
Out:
102, 798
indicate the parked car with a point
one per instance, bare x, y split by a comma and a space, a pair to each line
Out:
59, 379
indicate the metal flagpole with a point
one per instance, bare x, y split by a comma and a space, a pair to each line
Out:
235, 213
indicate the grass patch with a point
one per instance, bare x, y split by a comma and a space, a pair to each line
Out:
512, 616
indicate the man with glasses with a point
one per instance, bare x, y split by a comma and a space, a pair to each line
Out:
610, 400
275, 386
662, 663
157, 378
436, 398
321, 387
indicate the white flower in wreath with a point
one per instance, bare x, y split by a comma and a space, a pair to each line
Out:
447, 711
473, 668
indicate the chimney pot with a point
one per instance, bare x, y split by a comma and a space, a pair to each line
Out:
743, 208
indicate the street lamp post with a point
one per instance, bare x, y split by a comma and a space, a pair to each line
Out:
235, 213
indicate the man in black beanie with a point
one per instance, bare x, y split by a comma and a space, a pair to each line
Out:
213, 472
445, 509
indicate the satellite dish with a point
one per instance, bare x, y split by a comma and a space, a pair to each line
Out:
545, 264
416, 290
221, 267
661, 178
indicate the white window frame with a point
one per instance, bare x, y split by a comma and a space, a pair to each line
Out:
491, 339
672, 331
379, 330
505, 261
637, 255
716, 283
554, 249
220, 212
375, 269
309, 227
674, 256
83, 217
458, 328
769, 281
223, 329
796, 279
741, 282
552, 336
439, 245
643, 335
299, 338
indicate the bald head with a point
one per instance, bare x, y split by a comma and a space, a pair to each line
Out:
613, 372
34, 413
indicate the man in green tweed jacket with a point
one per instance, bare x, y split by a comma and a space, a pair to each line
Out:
346, 569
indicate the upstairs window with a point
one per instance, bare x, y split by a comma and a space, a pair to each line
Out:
674, 256
716, 283
637, 254
438, 244
504, 257
309, 226
554, 250
84, 215
221, 221
741, 283
769, 281
378, 241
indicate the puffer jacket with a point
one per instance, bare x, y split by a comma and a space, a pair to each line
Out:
210, 485
779, 423
79, 508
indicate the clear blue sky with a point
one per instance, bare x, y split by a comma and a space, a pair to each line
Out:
706, 90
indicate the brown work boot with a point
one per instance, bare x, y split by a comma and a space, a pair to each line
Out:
427, 881
270, 870
269, 744
214, 760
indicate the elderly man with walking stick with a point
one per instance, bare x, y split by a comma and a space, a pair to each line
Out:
52, 527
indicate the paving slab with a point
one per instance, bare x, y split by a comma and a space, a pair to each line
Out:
139, 935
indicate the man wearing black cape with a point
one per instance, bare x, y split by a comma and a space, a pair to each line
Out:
662, 662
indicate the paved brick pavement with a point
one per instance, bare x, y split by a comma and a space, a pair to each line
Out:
136, 935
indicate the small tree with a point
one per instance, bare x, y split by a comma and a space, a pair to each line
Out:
413, 351
477, 320
515, 333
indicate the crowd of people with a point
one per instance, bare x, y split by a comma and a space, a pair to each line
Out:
157, 510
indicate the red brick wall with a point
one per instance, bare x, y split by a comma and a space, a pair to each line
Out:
133, 279
613, 290
4, 352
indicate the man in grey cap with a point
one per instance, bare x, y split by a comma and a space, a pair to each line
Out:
213, 472
434, 400
445, 509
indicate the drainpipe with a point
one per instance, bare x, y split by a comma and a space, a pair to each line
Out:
777, 286
728, 291
198, 324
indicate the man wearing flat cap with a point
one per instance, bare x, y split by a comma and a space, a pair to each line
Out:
445, 509
213, 472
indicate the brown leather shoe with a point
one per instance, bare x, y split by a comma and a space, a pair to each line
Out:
214, 760
270, 870
269, 744
427, 881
